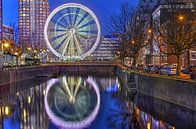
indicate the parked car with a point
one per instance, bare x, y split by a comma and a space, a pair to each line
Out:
155, 69
188, 69
147, 68
168, 70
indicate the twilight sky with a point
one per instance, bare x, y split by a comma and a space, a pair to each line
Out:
101, 8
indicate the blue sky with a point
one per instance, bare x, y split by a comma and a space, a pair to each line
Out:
102, 8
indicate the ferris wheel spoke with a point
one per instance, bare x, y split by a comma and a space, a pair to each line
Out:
71, 48
63, 19
57, 45
78, 45
58, 27
62, 30
70, 16
67, 43
66, 87
59, 23
76, 16
85, 15
77, 88
86, 24
88, 31
56, 37
61, 43
85, 20
82, 35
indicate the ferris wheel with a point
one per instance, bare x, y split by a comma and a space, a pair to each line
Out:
72, 31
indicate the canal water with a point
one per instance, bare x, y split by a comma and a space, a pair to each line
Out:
86, 102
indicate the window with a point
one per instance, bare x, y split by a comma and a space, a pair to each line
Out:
192, 55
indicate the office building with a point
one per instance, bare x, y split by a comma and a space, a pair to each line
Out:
1, 19
107, 48
32, 15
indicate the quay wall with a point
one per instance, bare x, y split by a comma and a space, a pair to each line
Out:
180, 92
176, 91
12, 76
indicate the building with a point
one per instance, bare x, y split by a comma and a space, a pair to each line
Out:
32, 15
7, 33
106, 49
157, 14
1, 19
162, 14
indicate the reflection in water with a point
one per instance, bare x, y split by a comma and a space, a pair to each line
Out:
24, 109
74, 99
72, 102
128, 115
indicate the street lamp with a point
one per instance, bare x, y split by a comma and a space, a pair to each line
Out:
181, 18
6, 45
29, 49
149, 31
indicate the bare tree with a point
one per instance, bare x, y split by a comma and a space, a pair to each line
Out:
178, 33
119, 26
132, 31
139, 35
15, 33
17, 50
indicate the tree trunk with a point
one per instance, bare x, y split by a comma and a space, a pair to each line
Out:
17, 60
179, 64
134, 62
188, 57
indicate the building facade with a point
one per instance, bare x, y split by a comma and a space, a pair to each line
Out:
7, 33
32, 15
157, 13
1, 19
161, 15
106, 50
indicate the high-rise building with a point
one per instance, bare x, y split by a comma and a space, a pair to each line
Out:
32, 15
1, 19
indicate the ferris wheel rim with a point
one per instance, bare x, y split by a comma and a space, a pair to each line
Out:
84, 8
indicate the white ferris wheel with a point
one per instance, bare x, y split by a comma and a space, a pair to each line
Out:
72, 31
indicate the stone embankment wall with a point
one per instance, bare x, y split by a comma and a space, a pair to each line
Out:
12, 76
176, 91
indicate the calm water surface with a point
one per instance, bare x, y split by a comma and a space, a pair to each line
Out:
86, 102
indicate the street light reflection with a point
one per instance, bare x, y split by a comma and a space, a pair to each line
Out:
7, 110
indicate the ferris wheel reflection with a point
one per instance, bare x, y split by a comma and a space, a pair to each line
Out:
72, 102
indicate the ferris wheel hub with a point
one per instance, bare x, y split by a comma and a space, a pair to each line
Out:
72, 31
